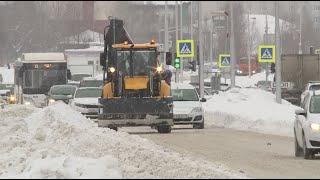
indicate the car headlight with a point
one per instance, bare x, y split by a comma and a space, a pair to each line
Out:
315, 126
239, 71
51, 101
12, 98
196, 110
253, 71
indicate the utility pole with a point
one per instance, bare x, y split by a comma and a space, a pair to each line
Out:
201, 83
266, 42
249, 45
176, 8
191, 22
300, 34
181, 37
191, 19
278, 59
165, 30
211, 41
232, 48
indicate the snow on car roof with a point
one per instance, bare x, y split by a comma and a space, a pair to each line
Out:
43, 57
89, 88
181, 86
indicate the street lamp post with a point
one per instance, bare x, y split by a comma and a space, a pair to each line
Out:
165, 30
177, 33
181, 37
278, 59
201, 64
232, 48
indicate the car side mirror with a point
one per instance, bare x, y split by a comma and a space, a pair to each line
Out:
103, 59
301, 112
203, 100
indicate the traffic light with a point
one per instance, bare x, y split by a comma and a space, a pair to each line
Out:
168, 58
177, 63
193, 65
273, 68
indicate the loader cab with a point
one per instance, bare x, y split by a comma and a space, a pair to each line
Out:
133, 68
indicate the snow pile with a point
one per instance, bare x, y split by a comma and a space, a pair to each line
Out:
7, 75
252, 110
245, 81
58, 142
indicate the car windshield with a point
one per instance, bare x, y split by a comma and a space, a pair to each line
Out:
88, 93
63, 90
315, 87
184, 95
6, 86
79, 77
91, 83
315, 104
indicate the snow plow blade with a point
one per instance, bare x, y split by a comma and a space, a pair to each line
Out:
135, 112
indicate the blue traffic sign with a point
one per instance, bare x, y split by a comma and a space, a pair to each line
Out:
266, 53
224, 60
185, 48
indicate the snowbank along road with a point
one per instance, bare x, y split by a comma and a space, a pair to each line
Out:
58, 142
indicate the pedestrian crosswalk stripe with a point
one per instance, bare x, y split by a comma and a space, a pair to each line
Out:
185, 49
266, 54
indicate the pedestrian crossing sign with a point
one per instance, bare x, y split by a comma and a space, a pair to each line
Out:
185, 48
224, 60
267, 53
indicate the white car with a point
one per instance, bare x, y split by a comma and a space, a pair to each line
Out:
86, 101
187, 107
312, 85
307, 126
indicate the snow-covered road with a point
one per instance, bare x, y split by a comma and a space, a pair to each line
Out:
257, 155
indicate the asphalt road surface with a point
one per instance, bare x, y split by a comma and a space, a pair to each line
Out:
257, 155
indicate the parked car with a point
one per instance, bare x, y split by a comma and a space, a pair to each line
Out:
7, 93
61, 92
265, 85
187, 107
86, 101
312, 85
307, 126
76, 78
91, 82
79, 77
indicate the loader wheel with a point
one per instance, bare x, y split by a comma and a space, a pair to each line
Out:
164, 129
115, 128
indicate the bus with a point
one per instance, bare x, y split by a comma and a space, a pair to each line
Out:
35, 73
